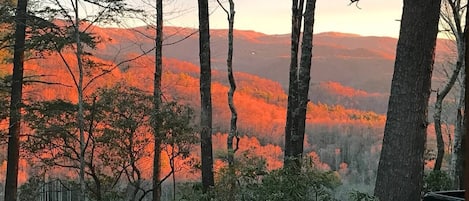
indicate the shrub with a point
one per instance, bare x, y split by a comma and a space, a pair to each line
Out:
360, 196
436, 181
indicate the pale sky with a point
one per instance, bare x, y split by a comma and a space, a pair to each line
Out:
375, 18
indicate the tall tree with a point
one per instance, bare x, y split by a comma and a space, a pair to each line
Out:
157, 101
451, 14
299, 82
291, 127
80, 118
76, 35
205, 96
234, 115
400, 169
465, 140
11, 183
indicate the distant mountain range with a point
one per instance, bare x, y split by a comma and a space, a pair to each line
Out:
348, 69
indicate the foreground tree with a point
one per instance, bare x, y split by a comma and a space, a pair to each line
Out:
205, 97
465, 140
116, 122
124, 113
178, 136
11, 183
299, 82
452, 16
400, 169
234, 115
75, 34
157, 95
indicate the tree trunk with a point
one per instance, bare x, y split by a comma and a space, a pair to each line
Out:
452, 18
299, 84
291, 159
157, 102
400, 169
465, 141
234, 115
439, 135
81, 120
456, 157
173, 170
304, 75
11, 183
205, 97
440, 96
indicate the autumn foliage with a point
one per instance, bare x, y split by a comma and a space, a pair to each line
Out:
340, 136
332, 130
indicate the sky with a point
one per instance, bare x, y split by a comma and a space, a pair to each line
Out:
372, 18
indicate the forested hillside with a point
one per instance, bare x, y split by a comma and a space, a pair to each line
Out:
131, 100
341, 137
363, 63
345, 116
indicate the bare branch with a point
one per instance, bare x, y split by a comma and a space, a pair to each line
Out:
171, 43
182, 39
46, 83
107, 71
223, 7
69, 68
356, 3
28, 79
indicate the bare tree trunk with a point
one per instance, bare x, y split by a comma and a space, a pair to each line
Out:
205, 97
456, 157
157, 102
400, 169
440, 96
304, 74
291, 159
234, 115
465, 140
299, 84
173, 170
439, 135
452, 18
11, 183
78, 54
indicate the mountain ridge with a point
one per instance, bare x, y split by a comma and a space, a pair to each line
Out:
363, 63
268, 55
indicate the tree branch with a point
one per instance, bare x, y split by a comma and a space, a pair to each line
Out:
356, 3
107, 71
27, 80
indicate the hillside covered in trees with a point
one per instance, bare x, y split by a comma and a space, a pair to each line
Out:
98, 113
342, 135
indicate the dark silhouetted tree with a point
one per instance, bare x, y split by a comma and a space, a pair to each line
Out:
157, 95
400, 169
205, 96
234, 115
11, 183
299, 82
465, 140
